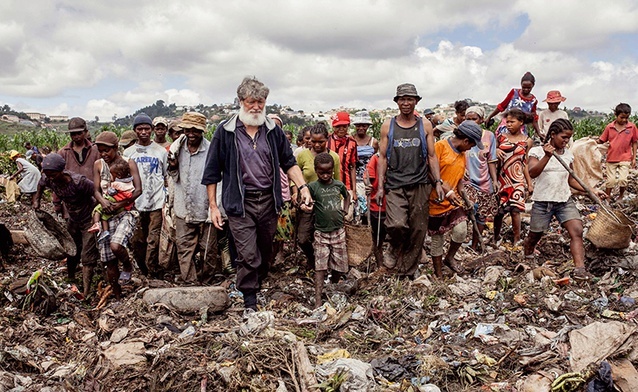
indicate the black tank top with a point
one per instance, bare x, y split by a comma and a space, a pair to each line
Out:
406, 165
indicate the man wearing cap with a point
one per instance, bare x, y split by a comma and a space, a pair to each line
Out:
75, 191
247, 151
552, 113
346, 147
186, 162
150, 158
408, 167
160, 128
80, 154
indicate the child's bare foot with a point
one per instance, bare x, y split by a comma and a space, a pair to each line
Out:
94, 228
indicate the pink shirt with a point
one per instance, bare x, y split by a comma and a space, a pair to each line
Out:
619, 142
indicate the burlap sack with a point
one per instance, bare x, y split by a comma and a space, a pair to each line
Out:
588, 161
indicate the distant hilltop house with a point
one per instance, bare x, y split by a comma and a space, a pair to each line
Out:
59, 118
36, 116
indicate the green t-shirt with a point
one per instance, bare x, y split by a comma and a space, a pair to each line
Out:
328, 205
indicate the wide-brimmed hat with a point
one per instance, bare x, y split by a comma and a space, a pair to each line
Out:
128, 137
554, 96
77, 124
193, 120
13, 154
362, 117
406, 90
107, 138
472, 130
341, 118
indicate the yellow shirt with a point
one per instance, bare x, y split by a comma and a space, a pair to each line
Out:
306, 162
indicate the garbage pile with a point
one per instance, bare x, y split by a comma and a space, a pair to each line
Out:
503, 327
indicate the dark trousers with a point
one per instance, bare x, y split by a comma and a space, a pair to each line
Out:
306, 235
407, 212
192, 238
145, 242
86, 245
253, 236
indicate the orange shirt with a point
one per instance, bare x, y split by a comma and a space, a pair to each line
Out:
452, 168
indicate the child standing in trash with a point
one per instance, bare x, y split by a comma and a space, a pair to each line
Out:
513, 177
553, 195
622, 136
331, 200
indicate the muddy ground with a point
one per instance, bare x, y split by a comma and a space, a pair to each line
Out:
499, 328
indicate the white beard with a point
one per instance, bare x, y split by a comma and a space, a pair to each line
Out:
252, 119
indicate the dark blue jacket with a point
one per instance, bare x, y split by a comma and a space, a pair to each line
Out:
222, 163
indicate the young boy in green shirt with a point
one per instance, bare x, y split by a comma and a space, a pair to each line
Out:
331, 200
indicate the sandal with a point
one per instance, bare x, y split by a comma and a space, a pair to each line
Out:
456, 268
581, 274
94, 228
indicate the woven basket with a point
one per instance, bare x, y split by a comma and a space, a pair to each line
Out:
608, 233
359, 243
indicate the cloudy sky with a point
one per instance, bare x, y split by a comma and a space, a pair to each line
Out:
102, 58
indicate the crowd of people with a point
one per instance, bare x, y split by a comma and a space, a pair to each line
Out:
175, 203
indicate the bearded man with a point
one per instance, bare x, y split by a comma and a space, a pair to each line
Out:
247, 152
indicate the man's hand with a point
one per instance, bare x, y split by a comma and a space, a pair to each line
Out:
306, 198
36, 205
440, 193
307, 207
216, 217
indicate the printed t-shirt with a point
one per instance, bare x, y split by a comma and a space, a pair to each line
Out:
151, 164
328, 205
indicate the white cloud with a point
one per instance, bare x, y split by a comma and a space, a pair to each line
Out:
314, 56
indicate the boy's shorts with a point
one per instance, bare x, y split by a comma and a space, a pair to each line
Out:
543, 211
330, 251
617, 174
121, 228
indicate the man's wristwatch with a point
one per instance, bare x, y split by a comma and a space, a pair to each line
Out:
302, 187
440, 181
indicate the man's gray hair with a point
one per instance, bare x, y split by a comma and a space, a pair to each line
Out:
250, 87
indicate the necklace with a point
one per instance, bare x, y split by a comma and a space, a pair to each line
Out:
253, 140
